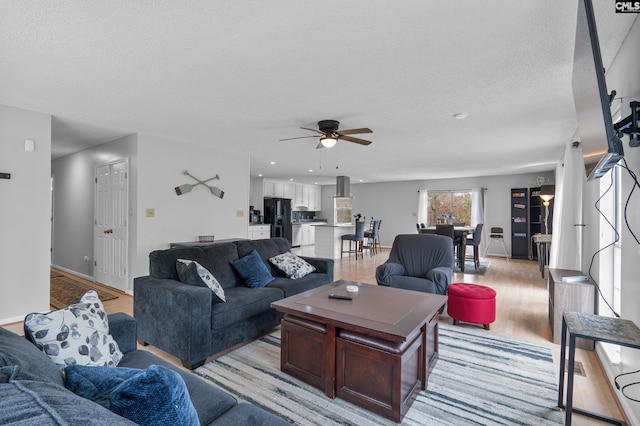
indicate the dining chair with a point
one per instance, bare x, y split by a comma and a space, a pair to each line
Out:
367, 232
357, 238
449, 231
475, 242
373, 241
497, 235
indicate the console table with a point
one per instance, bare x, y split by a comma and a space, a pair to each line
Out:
596, 328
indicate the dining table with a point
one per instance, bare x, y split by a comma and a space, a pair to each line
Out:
461, 233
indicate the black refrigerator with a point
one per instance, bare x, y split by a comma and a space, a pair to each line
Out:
277, 213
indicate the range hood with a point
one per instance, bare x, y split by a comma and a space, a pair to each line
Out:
343, 187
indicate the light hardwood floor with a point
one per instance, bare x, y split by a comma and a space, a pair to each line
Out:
521, 313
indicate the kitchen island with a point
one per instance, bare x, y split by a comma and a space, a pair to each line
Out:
328, 240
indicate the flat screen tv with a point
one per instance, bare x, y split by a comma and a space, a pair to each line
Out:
601, 147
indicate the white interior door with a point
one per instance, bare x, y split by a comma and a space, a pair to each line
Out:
111, 225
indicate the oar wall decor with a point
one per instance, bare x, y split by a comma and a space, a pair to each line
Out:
187, 187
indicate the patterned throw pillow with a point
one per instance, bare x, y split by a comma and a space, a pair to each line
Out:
291, 265
75, 335
191, 272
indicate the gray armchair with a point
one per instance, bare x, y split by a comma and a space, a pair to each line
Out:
420, 262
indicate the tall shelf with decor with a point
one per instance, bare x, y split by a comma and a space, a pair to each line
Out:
520, 223
536, 215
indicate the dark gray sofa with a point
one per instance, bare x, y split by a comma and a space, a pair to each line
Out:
32, 387
419, 262
184, 320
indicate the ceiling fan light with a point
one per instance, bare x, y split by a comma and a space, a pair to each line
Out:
328, 142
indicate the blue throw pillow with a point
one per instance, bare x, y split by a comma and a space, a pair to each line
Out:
155, 396
253, 270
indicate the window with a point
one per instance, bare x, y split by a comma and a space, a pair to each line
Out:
610, 270
443, 205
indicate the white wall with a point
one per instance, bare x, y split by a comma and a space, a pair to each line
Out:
25, 225
623, 76
182, 218
396, 203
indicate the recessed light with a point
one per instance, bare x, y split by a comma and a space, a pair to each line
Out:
259, 174
310, 170
291, 179
273, 162
460, 115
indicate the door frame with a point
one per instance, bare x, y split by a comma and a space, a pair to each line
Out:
125, 210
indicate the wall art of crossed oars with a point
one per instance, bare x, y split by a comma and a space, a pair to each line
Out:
187, 187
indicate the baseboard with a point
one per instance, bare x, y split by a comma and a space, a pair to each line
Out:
76, 273
6, 321
611, 371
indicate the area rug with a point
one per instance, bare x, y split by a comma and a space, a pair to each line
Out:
480, 379
64, 291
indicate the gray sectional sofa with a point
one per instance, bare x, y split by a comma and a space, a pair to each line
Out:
32, 388
187, 321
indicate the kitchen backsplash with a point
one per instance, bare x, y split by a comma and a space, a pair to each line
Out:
300, 216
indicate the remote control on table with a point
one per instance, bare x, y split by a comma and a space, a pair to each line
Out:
339, 296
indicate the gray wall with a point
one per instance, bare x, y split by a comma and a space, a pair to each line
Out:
396, 203
25, 213
73, 179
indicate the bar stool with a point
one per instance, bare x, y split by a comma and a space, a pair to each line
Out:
357, 238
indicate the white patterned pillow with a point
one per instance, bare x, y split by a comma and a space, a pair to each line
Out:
291, 265
191, 272
75, 335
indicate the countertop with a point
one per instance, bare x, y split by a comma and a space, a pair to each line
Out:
311, 222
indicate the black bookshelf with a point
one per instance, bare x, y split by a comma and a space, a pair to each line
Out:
520, 223
536, 219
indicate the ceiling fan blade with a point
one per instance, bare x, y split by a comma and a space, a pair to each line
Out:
299, 137
354, 131
313, 130
356, 140
320, 146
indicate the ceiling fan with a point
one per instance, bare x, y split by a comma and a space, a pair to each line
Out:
328, 129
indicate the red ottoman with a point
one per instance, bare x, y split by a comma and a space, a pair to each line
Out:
471, 303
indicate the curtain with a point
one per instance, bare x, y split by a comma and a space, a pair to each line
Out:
423, 207
566, 241
477, 216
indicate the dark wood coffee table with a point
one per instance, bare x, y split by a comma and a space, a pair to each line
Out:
375, 350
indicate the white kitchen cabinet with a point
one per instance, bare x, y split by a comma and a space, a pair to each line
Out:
302, 196
296, 235
289, 190
259, 232
308, 235
315, 197
273, 188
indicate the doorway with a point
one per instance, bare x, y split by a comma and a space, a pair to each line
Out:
111, 236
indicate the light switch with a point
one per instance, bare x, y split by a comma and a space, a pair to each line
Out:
29, 145
239, 213
150, 212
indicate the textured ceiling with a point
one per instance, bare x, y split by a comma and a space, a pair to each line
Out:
241, 75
